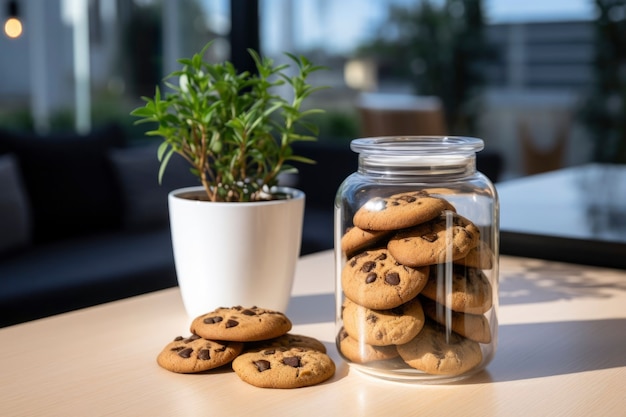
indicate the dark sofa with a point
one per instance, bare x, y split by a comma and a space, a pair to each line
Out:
82, 221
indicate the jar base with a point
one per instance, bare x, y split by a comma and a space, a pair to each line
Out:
412, 376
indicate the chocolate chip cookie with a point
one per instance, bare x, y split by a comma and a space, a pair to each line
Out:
468, 291
374, 279
358, 352
437, 352
383, 327
398, 211
357, 239
195, 354
284, 367
473, 326
448, 237
288, 340
479, 257
240, 324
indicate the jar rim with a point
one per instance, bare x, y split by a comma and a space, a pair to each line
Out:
403, 145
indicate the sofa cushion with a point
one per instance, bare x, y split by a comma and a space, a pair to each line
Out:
60, 276
69, 181
143, 198
15, 221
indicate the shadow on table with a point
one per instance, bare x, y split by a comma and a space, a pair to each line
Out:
525, 351
537, 350
538, 281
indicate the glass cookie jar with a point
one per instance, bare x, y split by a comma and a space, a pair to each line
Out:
416, 255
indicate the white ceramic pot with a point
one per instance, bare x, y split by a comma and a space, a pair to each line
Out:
229, 254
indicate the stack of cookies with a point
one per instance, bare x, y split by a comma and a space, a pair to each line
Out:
415, 294
256, 342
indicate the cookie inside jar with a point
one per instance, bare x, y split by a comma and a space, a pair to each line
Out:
417, 287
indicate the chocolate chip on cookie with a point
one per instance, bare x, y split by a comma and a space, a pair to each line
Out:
195, 354
241, 324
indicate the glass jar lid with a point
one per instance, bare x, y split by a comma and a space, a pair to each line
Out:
395, 156
417, 145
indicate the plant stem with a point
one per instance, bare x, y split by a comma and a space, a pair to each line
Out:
201, 168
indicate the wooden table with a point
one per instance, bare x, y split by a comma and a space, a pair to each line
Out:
562, 352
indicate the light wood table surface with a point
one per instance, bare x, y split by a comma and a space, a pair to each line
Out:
562, 352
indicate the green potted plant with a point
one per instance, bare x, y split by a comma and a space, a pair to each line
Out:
236, 237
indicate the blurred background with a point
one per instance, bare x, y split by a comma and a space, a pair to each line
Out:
542, 82
83, 219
